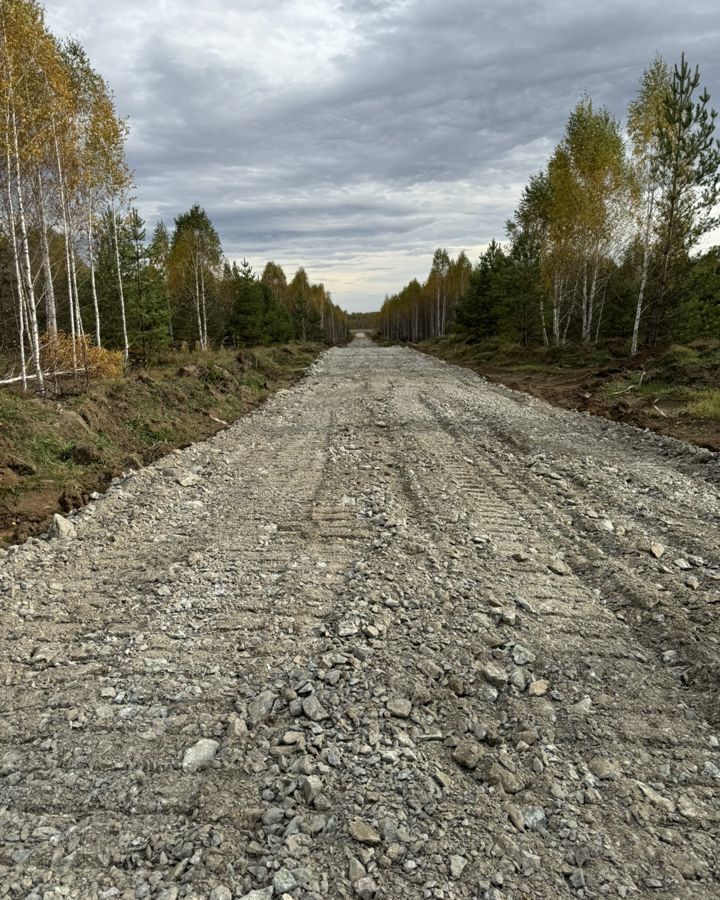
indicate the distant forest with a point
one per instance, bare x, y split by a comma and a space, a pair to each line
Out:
604, 241
362, 321
79, 277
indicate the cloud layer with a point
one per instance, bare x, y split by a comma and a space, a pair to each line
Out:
355, 136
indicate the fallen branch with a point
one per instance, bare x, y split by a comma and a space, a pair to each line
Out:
29, 377
655, 406
633, 387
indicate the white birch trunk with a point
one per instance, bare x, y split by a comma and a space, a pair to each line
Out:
66, 230
204, 309
644, 276
121, 292
197, 304
18, 274
546, 342
50, 302
557, 295
76, 295
93, 286
591, 302
29, 292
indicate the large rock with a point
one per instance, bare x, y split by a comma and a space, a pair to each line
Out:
364, 832
495, 674
221, 893
314, 709
62, 529
200, 755
467, 754
365, 888
399, 707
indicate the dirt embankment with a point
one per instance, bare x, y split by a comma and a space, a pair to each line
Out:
54, 453
675, 392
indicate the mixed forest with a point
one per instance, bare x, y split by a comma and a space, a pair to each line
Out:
83, 286
606, 242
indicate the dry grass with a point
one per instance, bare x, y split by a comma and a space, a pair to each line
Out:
59, 353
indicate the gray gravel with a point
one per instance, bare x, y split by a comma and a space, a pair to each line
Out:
398, 634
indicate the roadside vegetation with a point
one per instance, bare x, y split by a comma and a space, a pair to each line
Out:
54, 455
115, 345
604, 294
604, 244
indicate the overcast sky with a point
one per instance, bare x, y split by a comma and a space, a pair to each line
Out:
355, 136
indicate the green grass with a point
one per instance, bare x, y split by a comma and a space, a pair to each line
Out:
706, 405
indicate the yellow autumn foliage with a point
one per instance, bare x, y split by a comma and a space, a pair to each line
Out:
57, 356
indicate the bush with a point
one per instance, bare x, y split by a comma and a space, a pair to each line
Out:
679, 354
56, 353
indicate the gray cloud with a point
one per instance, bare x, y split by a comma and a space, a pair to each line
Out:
354, 136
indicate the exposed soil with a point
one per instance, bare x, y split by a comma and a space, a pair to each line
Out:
400, 633
56, 453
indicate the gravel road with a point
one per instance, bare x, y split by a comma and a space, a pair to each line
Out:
398, 634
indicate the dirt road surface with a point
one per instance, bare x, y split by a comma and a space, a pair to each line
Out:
399, 634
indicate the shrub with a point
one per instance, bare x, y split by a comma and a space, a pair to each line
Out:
57, 356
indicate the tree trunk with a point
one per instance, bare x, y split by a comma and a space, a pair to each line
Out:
644, 274
591, 302
66, 230
18, 274
204, 309
121, 292
21, 332
93, 286
556, 301
50, 303
29, 291
76, 295
600, 313
673, 201
546, 342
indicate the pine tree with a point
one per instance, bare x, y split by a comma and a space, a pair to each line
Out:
687, 170
248, 310
147, 304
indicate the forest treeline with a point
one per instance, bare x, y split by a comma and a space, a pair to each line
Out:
79, 277
604, 241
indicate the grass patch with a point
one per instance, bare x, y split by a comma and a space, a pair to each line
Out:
706, 405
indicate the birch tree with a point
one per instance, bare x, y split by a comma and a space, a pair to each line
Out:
646, 117
194, 262
589, 181
25, 51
